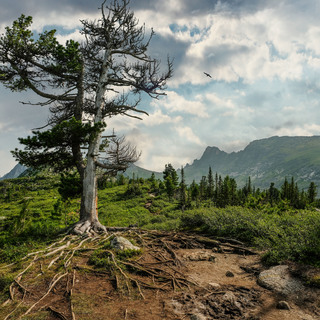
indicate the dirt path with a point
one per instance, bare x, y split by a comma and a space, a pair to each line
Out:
178, 276
237, 294
229, 291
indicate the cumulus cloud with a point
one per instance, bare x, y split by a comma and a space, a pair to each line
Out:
263, 57
257, 44
221, 102
298, 130
188, 134
157, 118
174, 102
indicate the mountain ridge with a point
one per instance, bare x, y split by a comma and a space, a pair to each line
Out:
264, 161
15, 172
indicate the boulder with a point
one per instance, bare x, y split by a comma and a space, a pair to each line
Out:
121, 243
280, 280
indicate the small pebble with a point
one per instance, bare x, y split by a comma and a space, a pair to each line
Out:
229, 274
214, 285
283, 305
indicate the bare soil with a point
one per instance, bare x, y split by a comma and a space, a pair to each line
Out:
177, 276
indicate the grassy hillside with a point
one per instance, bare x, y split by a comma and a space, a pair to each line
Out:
32, 214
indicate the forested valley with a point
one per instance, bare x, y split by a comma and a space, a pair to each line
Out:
285, 221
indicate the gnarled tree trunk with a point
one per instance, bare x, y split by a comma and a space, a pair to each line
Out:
89, 221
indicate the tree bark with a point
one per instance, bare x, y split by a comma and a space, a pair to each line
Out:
89, 221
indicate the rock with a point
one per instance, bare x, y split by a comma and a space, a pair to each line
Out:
214, 285
283, 305
279, 279
229, 274
177, 306
121, 243
231, 298
200, 256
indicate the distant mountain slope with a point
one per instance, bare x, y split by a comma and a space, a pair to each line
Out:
20, 171
265, 161
141, 173
15, 172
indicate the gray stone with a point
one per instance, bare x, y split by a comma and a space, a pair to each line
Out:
230, 297
279, 279
214, 285
121, 243
200, 256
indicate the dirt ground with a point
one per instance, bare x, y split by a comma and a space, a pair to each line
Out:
222, 296
176, 277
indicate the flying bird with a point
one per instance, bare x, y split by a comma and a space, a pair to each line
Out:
207, 74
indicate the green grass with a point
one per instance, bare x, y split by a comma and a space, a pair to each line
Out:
32, 215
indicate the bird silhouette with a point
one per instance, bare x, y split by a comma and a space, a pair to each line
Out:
207, 74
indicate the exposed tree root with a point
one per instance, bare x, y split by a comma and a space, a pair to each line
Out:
158, 268
59, 251
57, 313
70, 294
14, 310
92, 228
49, 290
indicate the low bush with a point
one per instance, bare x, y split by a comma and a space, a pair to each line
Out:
287, 236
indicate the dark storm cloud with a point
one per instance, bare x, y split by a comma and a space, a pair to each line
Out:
248, 6
229, 6
160, 48
11, 9
192, 7
225, 53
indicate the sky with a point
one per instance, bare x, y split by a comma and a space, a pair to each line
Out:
263, 57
